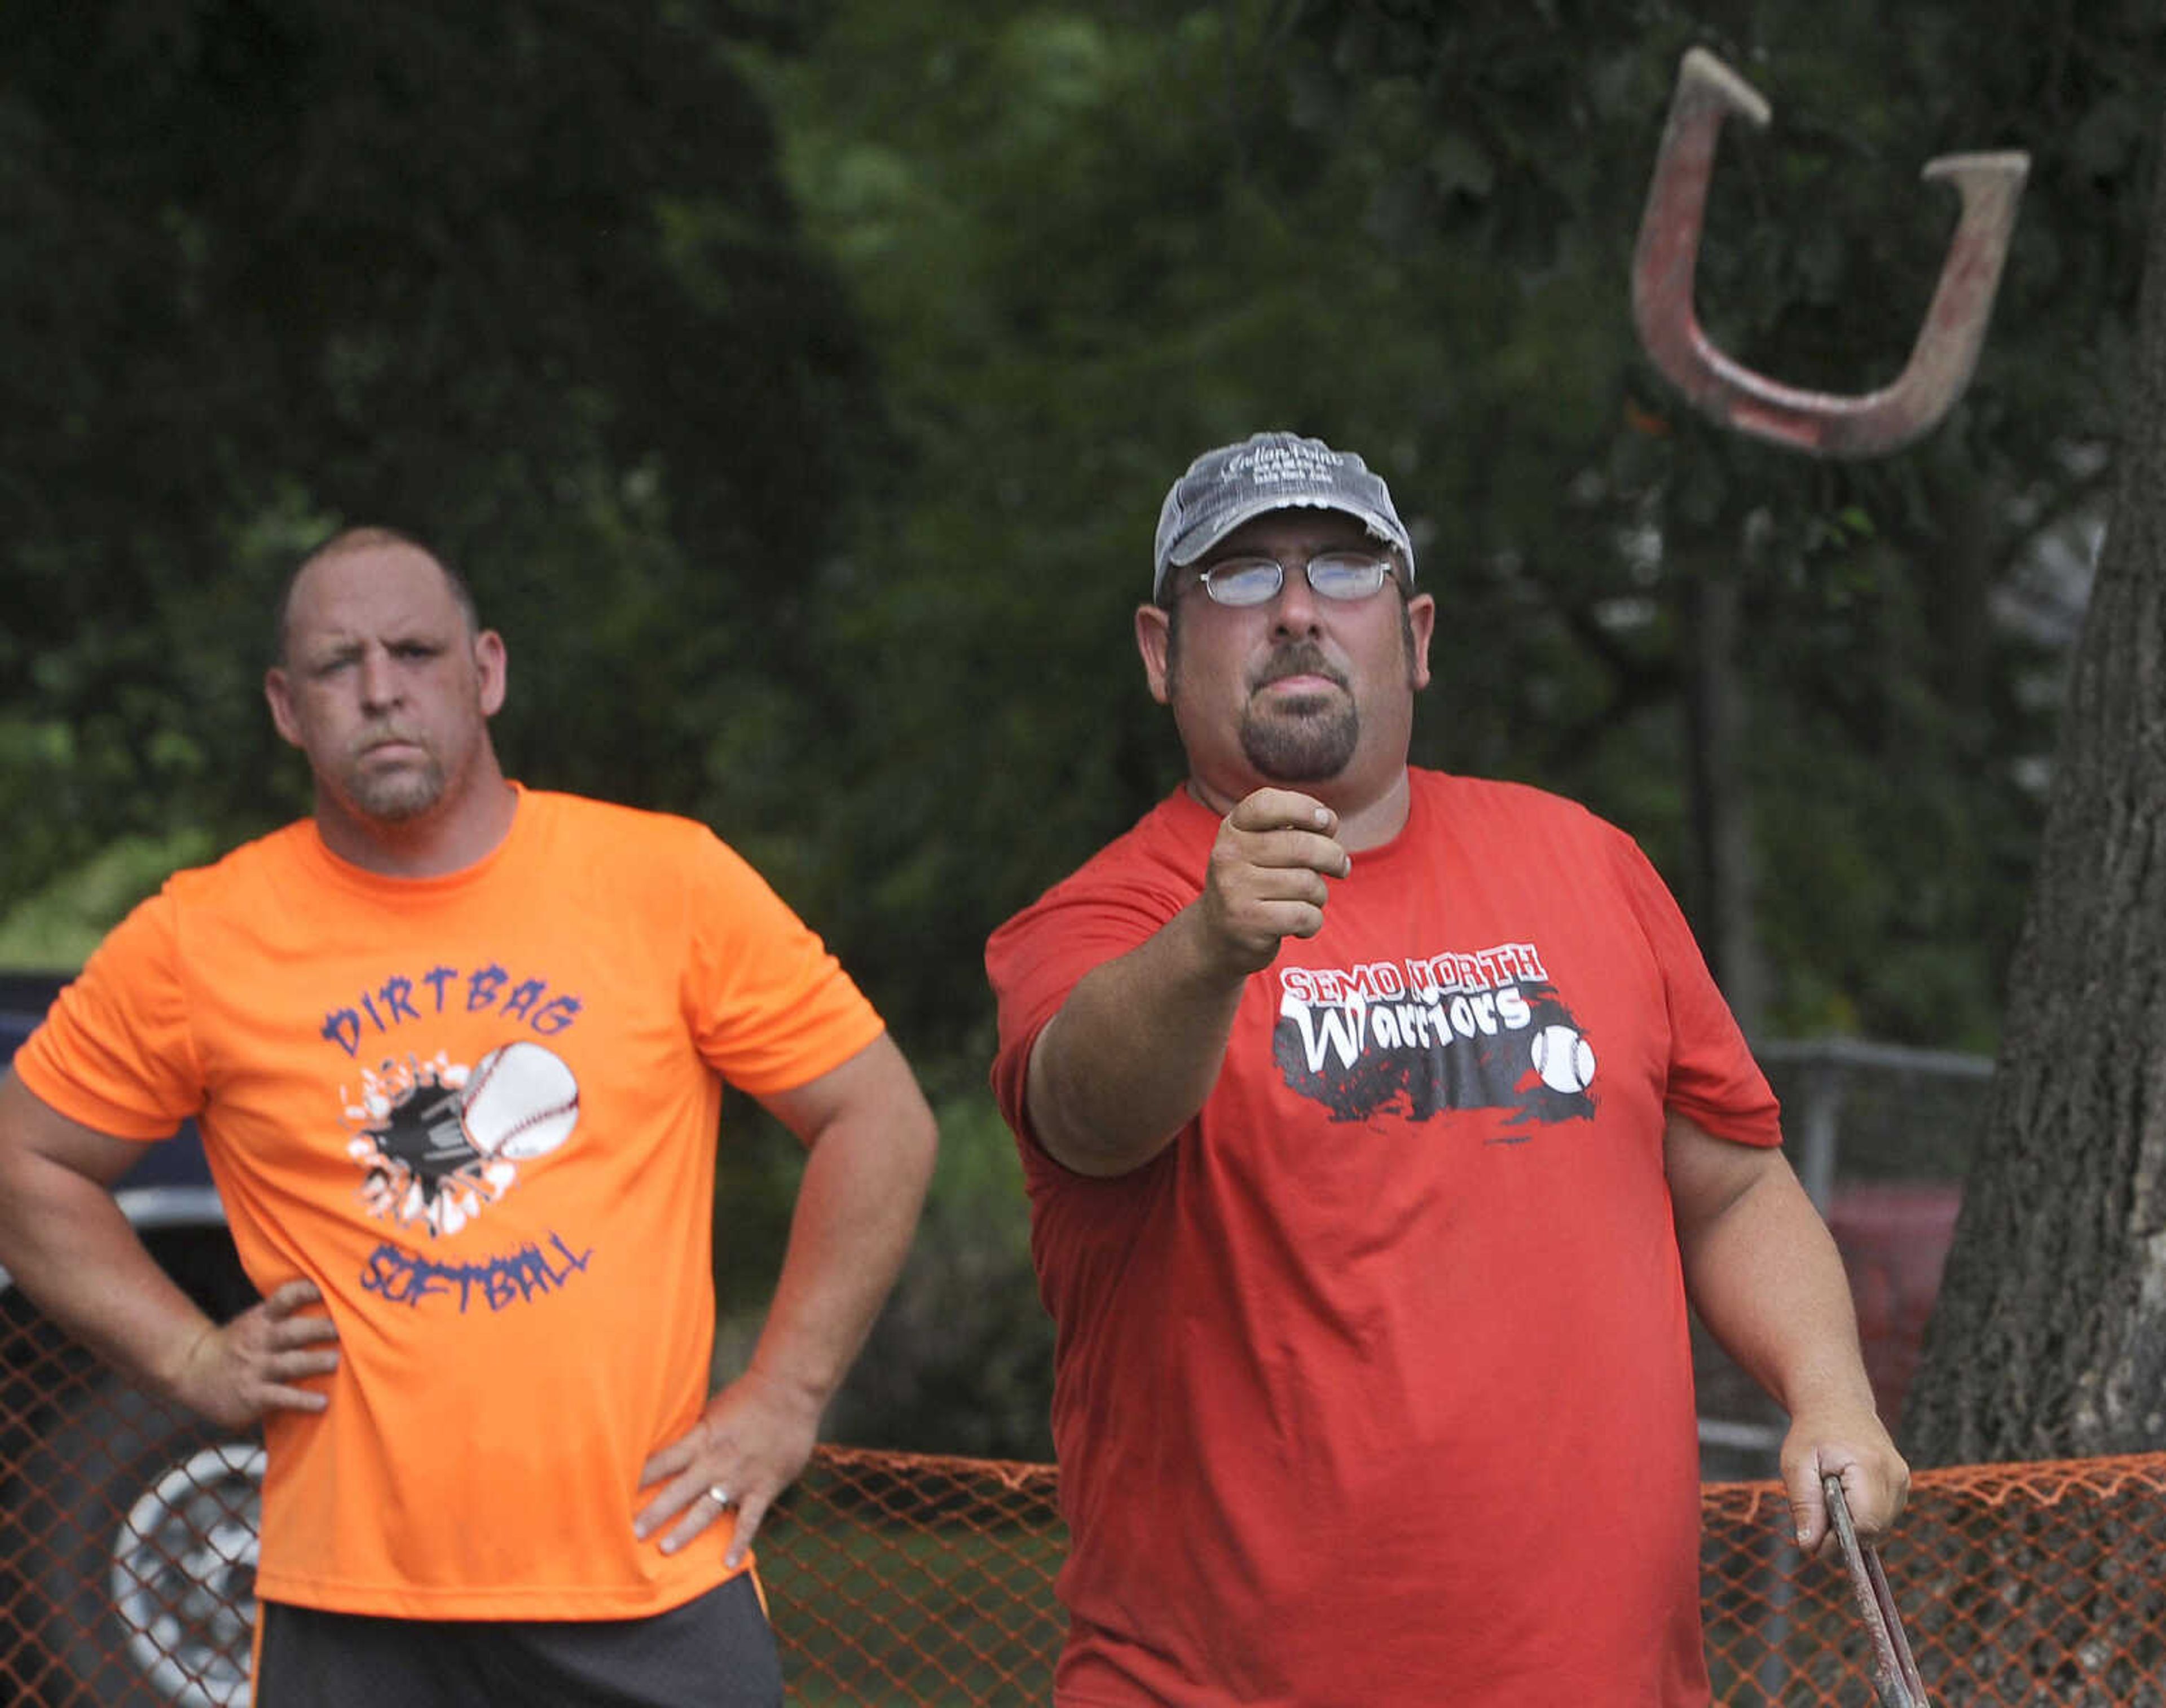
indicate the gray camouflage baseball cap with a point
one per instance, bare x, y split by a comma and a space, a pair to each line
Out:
1225, 488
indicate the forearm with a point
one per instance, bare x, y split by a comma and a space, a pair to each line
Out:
1766, 1279
857, 1207
71, 1251
1132, 1055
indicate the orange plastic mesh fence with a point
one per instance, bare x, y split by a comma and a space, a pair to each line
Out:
2029, 1583
127, 1542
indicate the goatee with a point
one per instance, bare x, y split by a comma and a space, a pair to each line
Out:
1308, 739
1302, 749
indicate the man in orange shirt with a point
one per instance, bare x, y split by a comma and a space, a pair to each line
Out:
1378, 1124
457, 1049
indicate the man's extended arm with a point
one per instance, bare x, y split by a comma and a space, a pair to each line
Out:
871, 1142
1130, 1057
1764, 1274
67, 1244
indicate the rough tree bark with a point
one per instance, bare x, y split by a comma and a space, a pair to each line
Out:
2050, 1336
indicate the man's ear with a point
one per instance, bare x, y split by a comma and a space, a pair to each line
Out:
494, 667
1154, 640
279, 691
1421, 626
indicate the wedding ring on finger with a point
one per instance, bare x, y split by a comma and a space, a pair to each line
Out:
720, 1496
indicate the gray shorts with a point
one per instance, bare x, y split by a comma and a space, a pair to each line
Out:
716, 1651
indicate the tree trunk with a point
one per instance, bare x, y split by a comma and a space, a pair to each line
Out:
2050, 1337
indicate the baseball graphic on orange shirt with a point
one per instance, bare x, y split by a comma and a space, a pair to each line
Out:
521, 1101
439, 1141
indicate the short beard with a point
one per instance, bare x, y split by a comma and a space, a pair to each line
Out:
398, 796
1294, 747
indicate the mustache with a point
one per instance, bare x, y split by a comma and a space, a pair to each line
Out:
1297, 658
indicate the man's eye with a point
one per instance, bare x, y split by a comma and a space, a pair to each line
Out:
1244, 582
1347, 575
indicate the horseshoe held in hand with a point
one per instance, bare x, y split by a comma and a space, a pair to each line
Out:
1895, 1678
1824, 424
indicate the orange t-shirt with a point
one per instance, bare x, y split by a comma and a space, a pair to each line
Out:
479, 1112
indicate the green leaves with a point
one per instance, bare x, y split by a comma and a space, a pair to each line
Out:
519, 277
811, 460
1106, 240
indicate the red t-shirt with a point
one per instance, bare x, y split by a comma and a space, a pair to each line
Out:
479, 1112
1375, 1386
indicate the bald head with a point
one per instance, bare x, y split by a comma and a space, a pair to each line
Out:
344, 544
388, 687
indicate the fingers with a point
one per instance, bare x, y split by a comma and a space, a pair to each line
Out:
285, 1333
1876, 1489
692, 1498
292, 1348
748, 1446
277, 1373
692, 1504
1302, 859
690, 1473
1876, 1484
1265, 880
1283, 809
1279, 829
750, 1512
1251, 904
281, 1398
1808, 1513
259, 1361
292, 1297
699, 1507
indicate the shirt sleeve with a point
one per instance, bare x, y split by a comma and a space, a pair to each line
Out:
115, 1052
769, 1006
1041, 955
1713, 1079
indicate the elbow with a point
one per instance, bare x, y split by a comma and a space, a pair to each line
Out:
920, 1144
908, 1149
1088, 1122
1095, 1149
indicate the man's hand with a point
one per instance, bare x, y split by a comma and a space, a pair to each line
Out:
1265, 878
751, 1441
233, 1374
1854, 1447
1132, 1055
869, 1140
1763, 1272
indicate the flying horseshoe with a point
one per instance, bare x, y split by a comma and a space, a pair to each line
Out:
1668, 253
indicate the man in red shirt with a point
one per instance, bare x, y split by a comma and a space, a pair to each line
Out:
1378, 1125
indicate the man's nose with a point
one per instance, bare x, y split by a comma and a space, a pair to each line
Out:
1297, 611
379, 679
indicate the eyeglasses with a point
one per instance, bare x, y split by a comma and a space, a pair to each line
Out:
1342, 575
